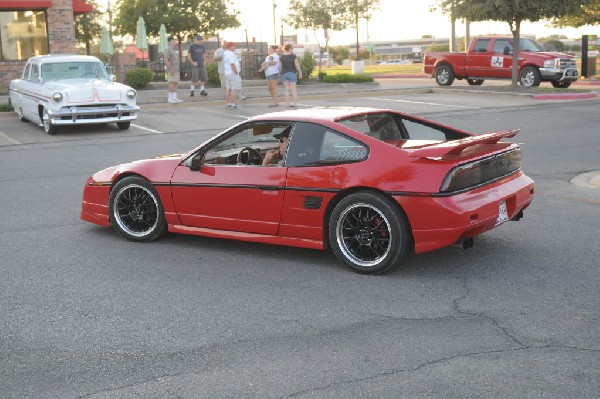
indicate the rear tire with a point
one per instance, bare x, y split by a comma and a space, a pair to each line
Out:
368, 233
475, 82
136, 211
444, 75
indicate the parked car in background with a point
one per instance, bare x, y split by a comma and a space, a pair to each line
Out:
69, 90
374, 185
490, 57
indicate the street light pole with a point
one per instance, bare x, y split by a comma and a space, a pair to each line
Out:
274, 24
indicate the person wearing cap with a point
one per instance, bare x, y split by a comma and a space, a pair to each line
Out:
196, 56
172, 64
233, 80
275, 157
218, 58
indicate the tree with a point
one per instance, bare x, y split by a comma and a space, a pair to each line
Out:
87, 26
318, 15
585, 15
513, 12
355, 10
182, 18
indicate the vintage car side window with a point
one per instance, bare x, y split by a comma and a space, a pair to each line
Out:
481, 45
26, 71
418, 131
316, 145
35, 72
500, 44
247, 146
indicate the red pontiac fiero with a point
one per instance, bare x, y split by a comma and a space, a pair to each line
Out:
372, 184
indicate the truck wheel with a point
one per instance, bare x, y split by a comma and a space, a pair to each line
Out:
530, 77
561, 85
475, 82
444, 75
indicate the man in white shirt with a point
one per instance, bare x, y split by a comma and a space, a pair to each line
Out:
218, 57
233, 80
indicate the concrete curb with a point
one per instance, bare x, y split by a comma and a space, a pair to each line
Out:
566, 96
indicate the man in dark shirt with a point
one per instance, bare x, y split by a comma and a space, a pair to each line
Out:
195, 57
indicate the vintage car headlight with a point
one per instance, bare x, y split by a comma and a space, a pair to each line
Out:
58, 97
555, 63
131, 94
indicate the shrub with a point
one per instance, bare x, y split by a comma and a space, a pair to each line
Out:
139, 77
347, 78
307, 64
5, 108
212, 70
322, 75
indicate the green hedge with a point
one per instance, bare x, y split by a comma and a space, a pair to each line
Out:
345, 78
139, 77
307, 64
5, 108
212, 70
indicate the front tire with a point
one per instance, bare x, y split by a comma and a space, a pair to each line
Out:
123, 125
530, 77
136, 211
444, 75
48, 126
368, 233
561, 84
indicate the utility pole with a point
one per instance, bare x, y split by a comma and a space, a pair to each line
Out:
274, 24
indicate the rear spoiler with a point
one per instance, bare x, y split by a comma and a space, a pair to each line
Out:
456, 146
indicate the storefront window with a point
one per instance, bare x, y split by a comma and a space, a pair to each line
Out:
23, 34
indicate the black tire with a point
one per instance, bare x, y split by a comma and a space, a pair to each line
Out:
444, 75
136, 211
530, 77
561, 84
123, 125
368, 233
475, 82
48, 126
20, 115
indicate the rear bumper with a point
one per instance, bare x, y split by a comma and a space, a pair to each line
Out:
438, 222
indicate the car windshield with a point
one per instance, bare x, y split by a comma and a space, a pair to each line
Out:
529, 45
73, 70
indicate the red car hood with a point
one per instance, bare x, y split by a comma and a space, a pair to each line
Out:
154, 169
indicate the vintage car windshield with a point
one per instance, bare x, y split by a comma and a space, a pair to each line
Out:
73, 70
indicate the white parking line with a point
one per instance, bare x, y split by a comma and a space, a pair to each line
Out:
146, 129
9, 139
421, 102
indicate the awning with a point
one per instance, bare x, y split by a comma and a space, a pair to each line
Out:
79, 6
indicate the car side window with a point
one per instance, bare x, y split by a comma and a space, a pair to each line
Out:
35, 73
26, 71
248, 146
481, 45
500, 45
316, 145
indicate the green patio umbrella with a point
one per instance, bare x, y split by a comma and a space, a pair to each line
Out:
162, 39
106, 44
141, 41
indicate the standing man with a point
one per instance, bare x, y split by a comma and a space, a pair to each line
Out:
172, 63
218, 57
233, 80
195, 57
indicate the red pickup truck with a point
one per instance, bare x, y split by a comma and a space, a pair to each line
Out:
490, 57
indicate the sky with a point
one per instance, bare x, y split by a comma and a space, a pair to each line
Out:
395, 20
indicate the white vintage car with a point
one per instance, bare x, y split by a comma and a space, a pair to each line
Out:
67, 90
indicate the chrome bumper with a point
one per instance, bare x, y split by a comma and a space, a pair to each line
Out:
568, 74
90, 115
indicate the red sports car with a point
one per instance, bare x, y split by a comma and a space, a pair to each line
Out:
372, 184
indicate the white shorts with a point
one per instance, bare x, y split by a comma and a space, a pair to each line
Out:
233, 82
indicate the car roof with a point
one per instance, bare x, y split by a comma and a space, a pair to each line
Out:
52, 58
319, 113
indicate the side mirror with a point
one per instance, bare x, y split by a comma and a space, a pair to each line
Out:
506, 50
195, 163
112, 77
